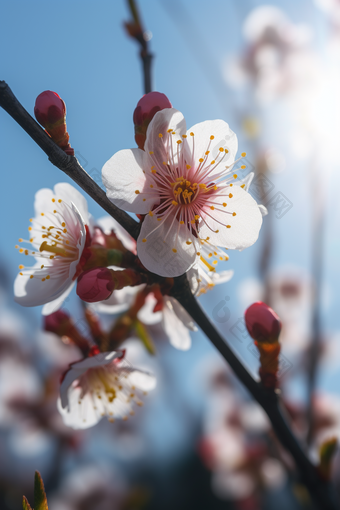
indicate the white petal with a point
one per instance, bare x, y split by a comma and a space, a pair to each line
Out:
244, 227
123, 176
166, 119
178, 334
54, 305
193, 277
119, 301
146, 313
157, 255
223, 137
181, 313
263, 210
248, 179
34, 292
222, 277
143, 380
79, 416
79, 368
69, 194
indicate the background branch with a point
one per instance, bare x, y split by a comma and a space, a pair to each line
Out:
136, 30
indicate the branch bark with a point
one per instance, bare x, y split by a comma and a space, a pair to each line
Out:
321, 491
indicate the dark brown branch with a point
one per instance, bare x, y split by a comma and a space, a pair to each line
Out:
320, 490
67, 164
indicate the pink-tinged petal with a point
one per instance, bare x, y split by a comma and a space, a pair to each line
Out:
125, 181
178, 334
156, 253
165, 148
243, 228
223, 137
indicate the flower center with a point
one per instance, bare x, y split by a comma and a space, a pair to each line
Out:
184, 191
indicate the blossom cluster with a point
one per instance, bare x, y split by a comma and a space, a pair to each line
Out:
184, 188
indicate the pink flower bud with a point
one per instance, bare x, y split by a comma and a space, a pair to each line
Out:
49, 108
263, 324
145, 111
95, 285
50, 112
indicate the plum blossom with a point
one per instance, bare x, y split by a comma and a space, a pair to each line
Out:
278, 59
104, 384
184, 183
58, 234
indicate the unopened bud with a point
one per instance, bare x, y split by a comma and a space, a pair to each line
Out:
98, 284
146, 109
263, 324
95, 285
50, 112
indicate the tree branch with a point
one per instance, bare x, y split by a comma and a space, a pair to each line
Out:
67, 164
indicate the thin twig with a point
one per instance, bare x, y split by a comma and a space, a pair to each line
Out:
137, 32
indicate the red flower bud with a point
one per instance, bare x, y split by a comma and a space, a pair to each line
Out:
58, 322
263, 324
95, 285
50, 112
146, 109
49, 108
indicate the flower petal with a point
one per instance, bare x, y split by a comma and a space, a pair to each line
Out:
125, 181
178, 334
146, 313
156, 253
165, 147
224, 138
34, 292
119, 301
180, 312
142, 380
54, 305
69, 194
244, 226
